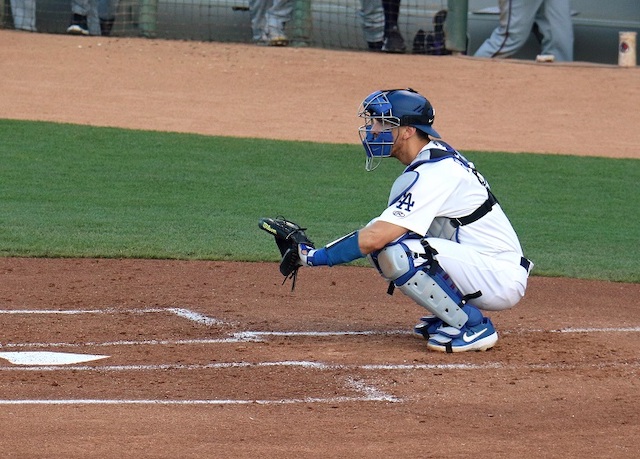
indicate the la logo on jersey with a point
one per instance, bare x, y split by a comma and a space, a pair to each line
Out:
406, 202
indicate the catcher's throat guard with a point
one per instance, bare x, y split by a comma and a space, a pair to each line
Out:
288, 235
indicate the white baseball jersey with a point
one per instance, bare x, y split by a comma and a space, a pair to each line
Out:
482, 255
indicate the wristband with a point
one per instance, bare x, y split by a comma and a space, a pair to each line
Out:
343, 250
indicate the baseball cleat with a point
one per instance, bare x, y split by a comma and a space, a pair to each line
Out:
480, 337
272, 38
76, 29
279, 41
427, 326
78, 25
393, 42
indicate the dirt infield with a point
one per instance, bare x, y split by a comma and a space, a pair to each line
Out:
210, 359
311, 94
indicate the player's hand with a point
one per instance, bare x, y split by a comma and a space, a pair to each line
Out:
306, 253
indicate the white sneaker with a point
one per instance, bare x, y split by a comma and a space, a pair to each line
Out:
479, 337
78, 25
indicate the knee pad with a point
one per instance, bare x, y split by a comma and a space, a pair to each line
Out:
427, 284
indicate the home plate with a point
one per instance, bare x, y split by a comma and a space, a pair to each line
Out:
48, 358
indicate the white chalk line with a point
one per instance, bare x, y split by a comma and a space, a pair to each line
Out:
151, 342
291, 401
262, 336
196, 317
249, 335
225, 365
257, 334
180, 312
371, 393
600, 330
320, 366
81, 311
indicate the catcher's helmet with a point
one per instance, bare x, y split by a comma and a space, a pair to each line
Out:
392, 108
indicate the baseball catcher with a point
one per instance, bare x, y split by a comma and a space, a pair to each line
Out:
288, 236
443, 239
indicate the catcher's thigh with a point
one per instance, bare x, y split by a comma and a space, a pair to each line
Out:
501, 279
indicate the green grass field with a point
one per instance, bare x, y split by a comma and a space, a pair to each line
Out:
78, 191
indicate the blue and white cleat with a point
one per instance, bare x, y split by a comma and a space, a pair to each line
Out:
427, 327
478, 337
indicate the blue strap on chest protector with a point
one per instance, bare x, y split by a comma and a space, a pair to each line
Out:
450, 152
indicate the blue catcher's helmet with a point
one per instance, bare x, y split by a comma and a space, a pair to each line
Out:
392, 108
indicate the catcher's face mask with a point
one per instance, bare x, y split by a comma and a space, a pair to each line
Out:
387, 109
376, 132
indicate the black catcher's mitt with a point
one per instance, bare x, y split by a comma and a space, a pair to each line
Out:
287, 235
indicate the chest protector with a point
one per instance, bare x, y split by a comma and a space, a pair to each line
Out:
443, 227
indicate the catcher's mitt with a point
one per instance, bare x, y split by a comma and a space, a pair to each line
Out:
287, 235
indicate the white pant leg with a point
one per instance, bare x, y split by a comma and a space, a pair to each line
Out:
516, 21
501, 280
278, 15
257, 12
24, 14
93, 20
555, 25
372, 17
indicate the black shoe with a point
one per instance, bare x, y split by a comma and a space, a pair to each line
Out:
436, 45
375, 46
419, 42
434, 42
393, 42
78, 25
438, 21
105, 26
